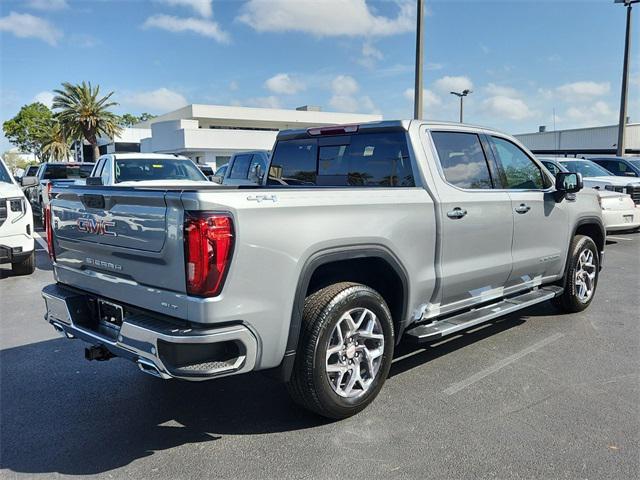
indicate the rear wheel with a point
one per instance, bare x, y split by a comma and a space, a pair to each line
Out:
582, 275
26, 266
345, 351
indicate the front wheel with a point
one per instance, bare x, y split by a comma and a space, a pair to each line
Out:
582, 275
345, 351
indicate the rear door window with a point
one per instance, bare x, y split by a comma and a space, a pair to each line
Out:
462, 159
360, 160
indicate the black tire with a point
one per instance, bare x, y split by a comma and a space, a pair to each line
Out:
309, 385
570, 301
26, 266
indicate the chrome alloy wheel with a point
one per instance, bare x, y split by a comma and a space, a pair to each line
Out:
354, 352
585, 279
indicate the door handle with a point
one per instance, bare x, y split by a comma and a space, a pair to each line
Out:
523, 208
456, 213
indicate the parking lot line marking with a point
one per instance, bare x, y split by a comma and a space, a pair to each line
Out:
619, 238
456, 387
40, 241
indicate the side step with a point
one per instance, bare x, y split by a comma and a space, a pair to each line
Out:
438, 329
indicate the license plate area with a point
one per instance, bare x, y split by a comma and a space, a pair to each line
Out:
110, 314
628, 218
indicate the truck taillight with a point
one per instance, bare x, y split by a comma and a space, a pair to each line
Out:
208, 245
49, 229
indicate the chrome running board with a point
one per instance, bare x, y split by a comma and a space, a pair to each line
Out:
447, 326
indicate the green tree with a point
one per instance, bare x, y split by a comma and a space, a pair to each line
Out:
83, 114
26, 128
129, 120
56, 145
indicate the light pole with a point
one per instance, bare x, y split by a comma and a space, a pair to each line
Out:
417, 95
622, 123
461, 95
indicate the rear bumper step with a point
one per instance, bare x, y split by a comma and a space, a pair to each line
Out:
158, 348
463, 321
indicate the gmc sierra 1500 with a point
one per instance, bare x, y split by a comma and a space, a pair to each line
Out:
368, 234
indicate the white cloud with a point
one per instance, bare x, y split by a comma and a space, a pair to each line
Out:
47, 4
453, 84
500, 90
23, 25
370, 55
429, 98
344, 85
233, 85
345, 99
583, 90
201, 7
200, 26
327, 17
432, 66
161, 100
511, 108
45, 98
284, 84
599, 113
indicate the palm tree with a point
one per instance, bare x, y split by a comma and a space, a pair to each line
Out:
83, 115
55, 144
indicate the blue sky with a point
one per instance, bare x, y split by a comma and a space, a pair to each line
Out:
523, 59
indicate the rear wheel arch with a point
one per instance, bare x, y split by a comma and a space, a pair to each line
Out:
342, 264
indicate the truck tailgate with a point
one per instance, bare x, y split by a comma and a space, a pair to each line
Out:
122, 232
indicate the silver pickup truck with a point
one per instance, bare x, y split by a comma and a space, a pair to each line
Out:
367, 234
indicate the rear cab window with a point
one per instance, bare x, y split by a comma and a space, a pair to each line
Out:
379, 159
62, 172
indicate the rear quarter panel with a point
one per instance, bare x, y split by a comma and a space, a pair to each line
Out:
275, 237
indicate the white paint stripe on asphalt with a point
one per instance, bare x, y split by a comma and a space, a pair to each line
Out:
456, 387
41, 241
618, 238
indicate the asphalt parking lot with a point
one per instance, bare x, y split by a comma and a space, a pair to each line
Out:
533, 395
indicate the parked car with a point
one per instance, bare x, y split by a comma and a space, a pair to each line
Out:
619, 212
246, 168
148, 169
400, 229
595, 176
38, 188
620, 166
16, 226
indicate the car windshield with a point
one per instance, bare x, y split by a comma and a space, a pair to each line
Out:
141, 169
4, 174
586, 168
61, 172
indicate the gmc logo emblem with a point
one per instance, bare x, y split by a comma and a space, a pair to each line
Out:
97, 227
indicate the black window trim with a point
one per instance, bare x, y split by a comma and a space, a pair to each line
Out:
484, 150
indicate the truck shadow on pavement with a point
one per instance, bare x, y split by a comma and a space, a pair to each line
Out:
61, 414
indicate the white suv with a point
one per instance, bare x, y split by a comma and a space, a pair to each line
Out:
16, 226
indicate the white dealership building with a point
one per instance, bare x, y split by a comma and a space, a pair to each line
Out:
212, 133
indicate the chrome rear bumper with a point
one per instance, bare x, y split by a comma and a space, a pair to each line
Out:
158, 347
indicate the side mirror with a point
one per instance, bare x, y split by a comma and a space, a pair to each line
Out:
94, 181
28, 181
568, 182
216, 179
257, 175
